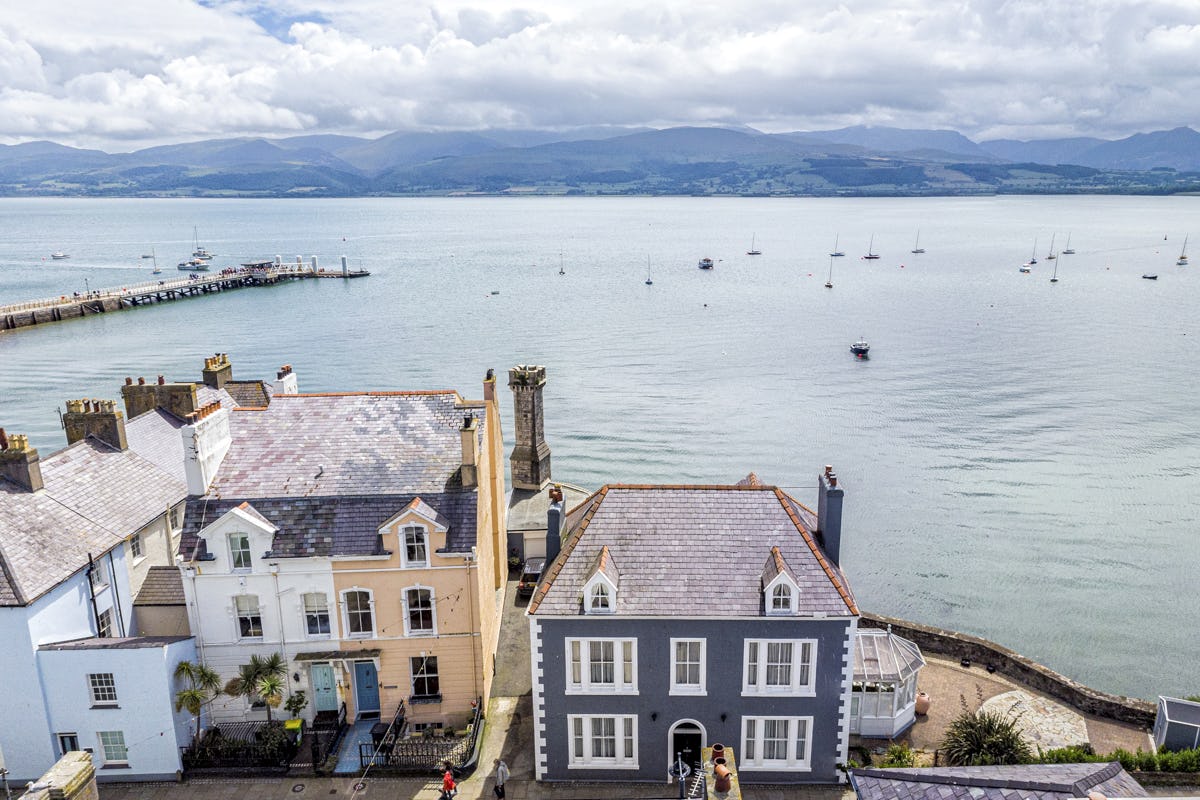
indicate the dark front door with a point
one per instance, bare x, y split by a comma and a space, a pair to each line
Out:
366, 688
686, 743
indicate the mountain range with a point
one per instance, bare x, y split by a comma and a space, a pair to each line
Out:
858, 160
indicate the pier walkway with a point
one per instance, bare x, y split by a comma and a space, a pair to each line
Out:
102, 301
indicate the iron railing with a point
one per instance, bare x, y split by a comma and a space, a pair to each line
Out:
426, 754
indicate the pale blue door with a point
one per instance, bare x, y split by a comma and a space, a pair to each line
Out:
366, 687
324, 688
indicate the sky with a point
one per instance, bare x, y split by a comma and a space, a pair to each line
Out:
127, 74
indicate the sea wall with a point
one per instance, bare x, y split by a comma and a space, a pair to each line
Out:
982, 652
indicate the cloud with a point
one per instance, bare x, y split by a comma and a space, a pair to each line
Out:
158, 71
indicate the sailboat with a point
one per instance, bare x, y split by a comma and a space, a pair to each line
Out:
871, 249
1182, 262
917, 244
836, 253
156, 270
1051, 256
1067, 251
561, 270
199, 252
753, 251
829, 283
1054, 277
648, 281
1033, 258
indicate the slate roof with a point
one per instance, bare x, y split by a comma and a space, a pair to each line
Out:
248, 394
155, 437
206, 394
95, 497
670, 542
1024, 782
882, 656
327, 445
775, 566
330, 526
163, 586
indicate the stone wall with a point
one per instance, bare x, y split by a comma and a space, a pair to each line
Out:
982, 652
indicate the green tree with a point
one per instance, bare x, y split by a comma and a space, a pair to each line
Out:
203, 684
261, 679
982, 738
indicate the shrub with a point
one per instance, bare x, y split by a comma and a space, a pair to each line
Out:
982, 738
899, 755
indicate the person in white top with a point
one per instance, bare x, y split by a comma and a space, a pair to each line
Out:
501, 777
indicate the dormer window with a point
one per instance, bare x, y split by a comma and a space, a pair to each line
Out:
599, 599
781, 599
414, 546
239, 551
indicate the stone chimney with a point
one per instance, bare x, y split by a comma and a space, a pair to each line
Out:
285, 381
19, 462
73, 777
829, 513
470, 451
530, 459
556, 518
489, 386
178, 399
99, 418
206, 440
217, 371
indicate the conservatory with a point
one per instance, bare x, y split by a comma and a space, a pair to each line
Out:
884, 697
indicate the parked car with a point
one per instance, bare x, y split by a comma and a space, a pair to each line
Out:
531, 573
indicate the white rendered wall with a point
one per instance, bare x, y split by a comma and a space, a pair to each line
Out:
24, 728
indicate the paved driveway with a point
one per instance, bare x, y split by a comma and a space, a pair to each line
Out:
513, 678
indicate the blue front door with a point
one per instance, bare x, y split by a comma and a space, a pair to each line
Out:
366, 687
324, 688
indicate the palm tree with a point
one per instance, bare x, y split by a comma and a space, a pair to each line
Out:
251, 677
984, 738
203, 686
270, 689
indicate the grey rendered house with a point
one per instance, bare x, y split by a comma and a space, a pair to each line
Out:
676, 617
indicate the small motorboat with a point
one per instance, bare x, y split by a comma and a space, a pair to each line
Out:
1026, 267
705, 263
59, 255
860, 348
1150, 276
193, 265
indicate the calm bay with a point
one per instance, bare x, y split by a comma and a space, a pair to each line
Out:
1020, 458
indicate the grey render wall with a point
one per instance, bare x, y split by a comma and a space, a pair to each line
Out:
724, 652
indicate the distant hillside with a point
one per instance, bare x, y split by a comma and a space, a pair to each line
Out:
732, 160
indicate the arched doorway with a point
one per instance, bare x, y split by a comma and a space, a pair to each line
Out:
686, 738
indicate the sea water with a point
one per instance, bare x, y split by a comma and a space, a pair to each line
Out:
1020, 458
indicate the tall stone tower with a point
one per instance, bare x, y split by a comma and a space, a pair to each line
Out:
530, 459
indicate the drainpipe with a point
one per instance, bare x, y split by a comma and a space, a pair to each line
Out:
287, 672
471, 609
112, 573
190, 572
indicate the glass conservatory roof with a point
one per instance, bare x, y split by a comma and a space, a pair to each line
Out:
881, 656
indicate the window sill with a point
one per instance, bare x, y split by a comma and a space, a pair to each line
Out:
250, 639
600, 690
370, 635
420, 634
780, 693
604, 766
781, 766
97, 706
312, 637
138, 560
685, 691
116, 765
424, 699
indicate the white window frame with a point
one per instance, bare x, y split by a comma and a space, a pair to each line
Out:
689, 688
104, 624
755, 673
773, 591
597, 586
316, 610
350, 633
251, 611
580, 747
115, 739
424, 667
408, 630
403, 533
750, 757
135, 547
102, 689
233, 553
579, 669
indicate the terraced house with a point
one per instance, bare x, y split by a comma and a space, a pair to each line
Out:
678, 617
358, 535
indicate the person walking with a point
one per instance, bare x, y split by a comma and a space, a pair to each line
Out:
501, 777
448, 787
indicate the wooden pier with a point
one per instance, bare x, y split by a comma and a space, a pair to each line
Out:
103, 301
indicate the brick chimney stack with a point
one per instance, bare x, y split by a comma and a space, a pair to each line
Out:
19, 462
470, 451
178, 399
285, 381
530, 459
217, 371
99, 418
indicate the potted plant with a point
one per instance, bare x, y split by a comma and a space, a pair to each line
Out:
296, 702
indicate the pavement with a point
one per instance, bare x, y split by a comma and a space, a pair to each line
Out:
508, 734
